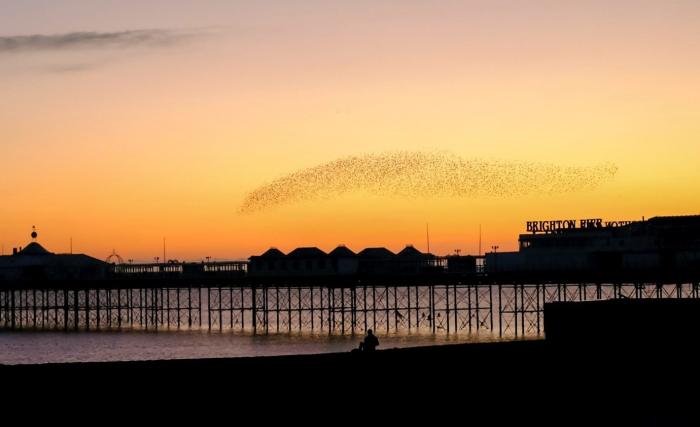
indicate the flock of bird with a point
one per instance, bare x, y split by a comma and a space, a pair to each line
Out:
424, 174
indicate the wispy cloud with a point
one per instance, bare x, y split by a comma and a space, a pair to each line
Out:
91, 40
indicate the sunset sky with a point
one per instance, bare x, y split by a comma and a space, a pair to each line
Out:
123, 122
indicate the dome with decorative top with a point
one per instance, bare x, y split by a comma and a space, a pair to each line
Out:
34, 249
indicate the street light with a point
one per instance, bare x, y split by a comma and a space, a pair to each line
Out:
495, 250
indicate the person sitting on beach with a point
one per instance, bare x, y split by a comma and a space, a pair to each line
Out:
370, 343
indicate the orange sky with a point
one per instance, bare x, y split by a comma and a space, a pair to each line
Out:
118, 146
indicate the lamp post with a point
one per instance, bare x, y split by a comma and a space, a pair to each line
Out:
495, 250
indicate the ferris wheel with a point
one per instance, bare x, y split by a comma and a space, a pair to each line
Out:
114, 258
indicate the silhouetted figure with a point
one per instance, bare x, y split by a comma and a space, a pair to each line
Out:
370, 343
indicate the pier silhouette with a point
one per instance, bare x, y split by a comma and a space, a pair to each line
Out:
497, 309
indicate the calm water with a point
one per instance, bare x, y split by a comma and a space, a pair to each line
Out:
28, 347
514, 313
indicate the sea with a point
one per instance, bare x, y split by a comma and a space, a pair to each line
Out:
34, 347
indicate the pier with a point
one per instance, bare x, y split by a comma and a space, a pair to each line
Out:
503, 310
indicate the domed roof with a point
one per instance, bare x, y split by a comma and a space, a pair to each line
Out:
376, 253
306, 253
273, 253
342, 251
34, 249
410, 251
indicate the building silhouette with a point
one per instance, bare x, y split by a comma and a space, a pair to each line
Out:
661, 245
341, 261
34, 262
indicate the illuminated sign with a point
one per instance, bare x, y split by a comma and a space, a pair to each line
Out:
567, 224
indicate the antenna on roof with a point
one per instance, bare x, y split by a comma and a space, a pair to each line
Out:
427, 236
479, 239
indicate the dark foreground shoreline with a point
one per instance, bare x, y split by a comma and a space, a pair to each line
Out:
531, 381
514, 363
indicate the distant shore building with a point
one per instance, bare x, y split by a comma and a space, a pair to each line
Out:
34, 263
376, 261
269, 263
341, 261
654, 250
308, 261
660, 245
